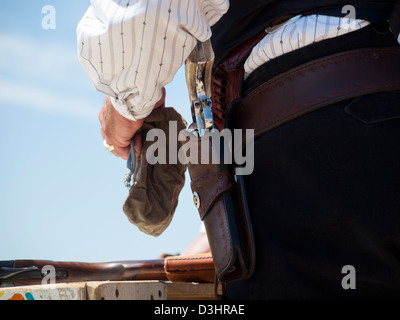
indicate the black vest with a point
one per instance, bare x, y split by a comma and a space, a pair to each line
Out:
246, 18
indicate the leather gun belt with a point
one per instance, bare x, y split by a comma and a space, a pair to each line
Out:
316, 84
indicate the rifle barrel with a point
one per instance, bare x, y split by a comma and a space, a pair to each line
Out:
82, 272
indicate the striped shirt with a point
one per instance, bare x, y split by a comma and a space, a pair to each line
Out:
130, 49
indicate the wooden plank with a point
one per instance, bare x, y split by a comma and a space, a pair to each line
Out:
62, 291
114, 290
127, 290
191, 291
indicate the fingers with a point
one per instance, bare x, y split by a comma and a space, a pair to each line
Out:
119, 151
118, 130
122, 152
138, 144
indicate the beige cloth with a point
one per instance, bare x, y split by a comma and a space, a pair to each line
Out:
153, 197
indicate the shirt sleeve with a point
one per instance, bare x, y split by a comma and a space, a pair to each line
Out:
130, 49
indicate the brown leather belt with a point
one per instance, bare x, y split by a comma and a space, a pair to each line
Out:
317, 84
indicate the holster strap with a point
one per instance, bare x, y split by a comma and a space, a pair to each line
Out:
209, 187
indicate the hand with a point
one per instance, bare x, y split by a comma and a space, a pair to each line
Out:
118, 130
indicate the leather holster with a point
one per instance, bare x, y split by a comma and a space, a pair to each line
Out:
221, 201
218, 193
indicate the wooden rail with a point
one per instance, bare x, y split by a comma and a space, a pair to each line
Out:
113, 290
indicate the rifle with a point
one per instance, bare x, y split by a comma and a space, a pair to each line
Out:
193, 268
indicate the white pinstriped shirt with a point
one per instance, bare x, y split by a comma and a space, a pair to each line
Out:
132, 48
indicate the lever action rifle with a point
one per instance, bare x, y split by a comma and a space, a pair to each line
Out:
194, 268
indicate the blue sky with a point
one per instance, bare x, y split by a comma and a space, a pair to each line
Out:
61, 192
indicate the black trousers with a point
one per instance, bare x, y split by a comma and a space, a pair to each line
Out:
325, 193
